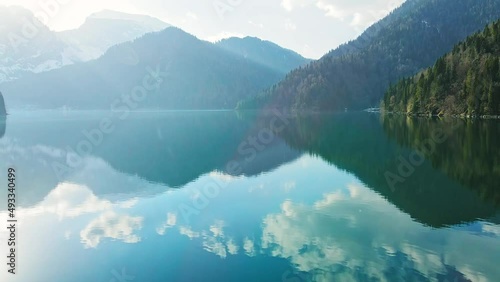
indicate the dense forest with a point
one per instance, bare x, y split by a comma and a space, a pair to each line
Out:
357, 74
463, 82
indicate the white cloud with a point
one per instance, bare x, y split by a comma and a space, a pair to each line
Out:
329, 200
113, 226
289, 5
171, 221
215, 245
70, 200
249, 247
219, 176
357, 19
217, 229
491, 229
318, 237
358, 14
331, 10
232, 248
128, 204
187, 231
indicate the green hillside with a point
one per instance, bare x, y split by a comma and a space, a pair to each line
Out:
463, 82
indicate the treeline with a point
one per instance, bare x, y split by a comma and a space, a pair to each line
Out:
463, 82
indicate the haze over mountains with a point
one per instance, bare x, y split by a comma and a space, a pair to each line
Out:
265, 53
27, 46
185, 72
107, 28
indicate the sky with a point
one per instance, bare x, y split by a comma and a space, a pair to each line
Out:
309, 27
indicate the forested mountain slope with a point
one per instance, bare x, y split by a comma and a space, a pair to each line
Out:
356, 75
465, 81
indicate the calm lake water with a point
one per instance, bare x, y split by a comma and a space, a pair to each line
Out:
225, 196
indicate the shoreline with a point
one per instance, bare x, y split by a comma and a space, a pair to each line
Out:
463, 116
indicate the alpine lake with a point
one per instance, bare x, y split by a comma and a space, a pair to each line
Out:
237, 196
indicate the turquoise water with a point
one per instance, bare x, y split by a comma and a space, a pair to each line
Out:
225, 196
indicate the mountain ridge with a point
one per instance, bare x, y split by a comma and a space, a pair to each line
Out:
356, 76
264, 52
202, 76
107, 28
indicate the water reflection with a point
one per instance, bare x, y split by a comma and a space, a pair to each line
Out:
3, 124
313, 205
469, 152
431, 194
356, 236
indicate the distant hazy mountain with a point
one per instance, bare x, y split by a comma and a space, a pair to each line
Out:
107, 28
357, 74
190, 74
264, 52
27, 46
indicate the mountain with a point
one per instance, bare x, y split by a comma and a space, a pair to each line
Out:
27, 46
481, 171
107, 28
166, 70
265, 53
357, 74
463, 82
